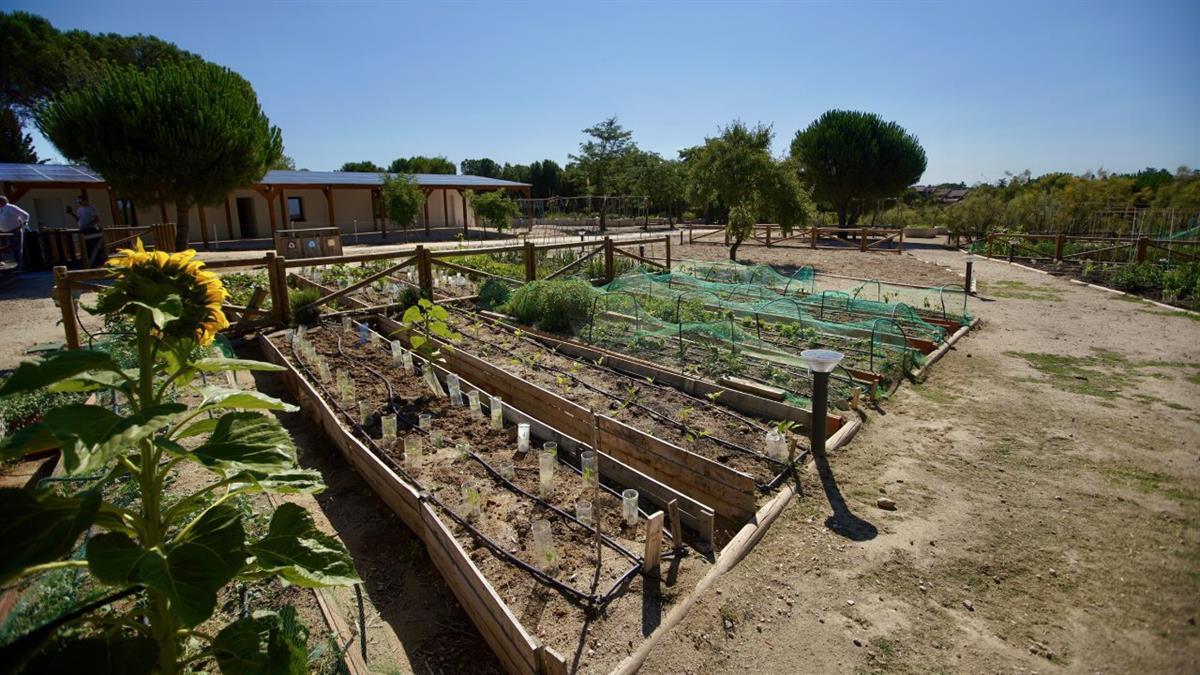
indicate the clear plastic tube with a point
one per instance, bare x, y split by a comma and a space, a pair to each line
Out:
473, 403
543, 545
546, 462
389, 427
412, 452
425, 421
629, 507
455, 388
506, 468
591, 468
583, 511
522, 438
471, 500
497, 411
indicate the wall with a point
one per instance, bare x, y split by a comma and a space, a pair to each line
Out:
46, 207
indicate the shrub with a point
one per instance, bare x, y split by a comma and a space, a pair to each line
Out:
1182, 283
298, 298
556, 306
1137, 278
408, 297
493, 293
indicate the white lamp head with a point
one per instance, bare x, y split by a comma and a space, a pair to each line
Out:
970, 257
821, 360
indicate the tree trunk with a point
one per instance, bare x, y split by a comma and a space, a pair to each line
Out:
182, 225
737, 241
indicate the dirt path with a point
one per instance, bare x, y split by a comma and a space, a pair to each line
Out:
1046, 477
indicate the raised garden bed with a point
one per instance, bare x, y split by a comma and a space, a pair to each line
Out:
488, 578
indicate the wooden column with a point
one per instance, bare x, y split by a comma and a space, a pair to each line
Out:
446, 207
530, 261
283, 212
1060, 243
667, 241
1142, 242
270, 211
162, 209
203, 226
228, 218
426, 206
112, 205
329, 205
862, 240
463, 194
608, 259
377, 197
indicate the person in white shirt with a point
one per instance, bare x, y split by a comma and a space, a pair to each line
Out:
89, 226
13, 220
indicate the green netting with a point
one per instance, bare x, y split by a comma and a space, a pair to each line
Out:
777, 323
713, 349
872, 299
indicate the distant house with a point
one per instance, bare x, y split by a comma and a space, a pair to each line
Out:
280, 200
941, 193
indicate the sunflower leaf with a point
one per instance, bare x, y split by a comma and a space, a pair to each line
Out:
55, 367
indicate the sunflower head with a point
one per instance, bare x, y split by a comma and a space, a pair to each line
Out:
183, 298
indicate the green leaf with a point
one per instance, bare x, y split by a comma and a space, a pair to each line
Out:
411, 315
439, 312
164, 312
93, 381
38, 373
286, 482
212, 365
299, 552
417, 341
33, 438
90, 435
202, 427
441, 330
221, 397
260, 644
109, 654
208, 554
40, 529
250, 442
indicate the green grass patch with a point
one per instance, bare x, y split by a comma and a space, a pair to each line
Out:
1088, 375
1151, 482
1166, 312
932, 395
1019, 290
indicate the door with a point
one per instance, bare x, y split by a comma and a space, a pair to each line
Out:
247, 224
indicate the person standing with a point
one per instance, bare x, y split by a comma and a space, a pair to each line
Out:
13, 220
89, 226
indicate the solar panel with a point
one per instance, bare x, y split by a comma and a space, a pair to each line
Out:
47, 173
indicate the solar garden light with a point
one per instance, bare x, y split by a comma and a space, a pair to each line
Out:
970, 260
820, 362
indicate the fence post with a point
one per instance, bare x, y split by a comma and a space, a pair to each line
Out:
814, 236
1012, 250
990, 238
690, 240
530, 262
285, 307
768, 235
667, 241
1060, 243
1141, 248
66, 303
609, 268
424, 272
862, 240
901, 249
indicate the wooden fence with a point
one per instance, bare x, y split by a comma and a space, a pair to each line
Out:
1134, 249
865, 238
69, 283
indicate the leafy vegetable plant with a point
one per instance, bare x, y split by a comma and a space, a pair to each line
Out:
172, 553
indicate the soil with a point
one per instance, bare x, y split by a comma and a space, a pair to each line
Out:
505, 518
662, 412
1046, 515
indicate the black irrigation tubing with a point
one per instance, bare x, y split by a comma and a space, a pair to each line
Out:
708, 405
655, 414
425, 495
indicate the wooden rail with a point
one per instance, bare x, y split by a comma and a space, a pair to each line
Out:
869, 238
69, 283
1007, 245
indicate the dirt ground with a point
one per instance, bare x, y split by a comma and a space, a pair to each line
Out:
1046, 481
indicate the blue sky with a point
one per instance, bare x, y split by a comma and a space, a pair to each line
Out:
988, 87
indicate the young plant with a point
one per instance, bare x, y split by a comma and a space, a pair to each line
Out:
424, 321
172, 552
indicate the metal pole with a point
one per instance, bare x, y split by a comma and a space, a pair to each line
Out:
820, 402
970, 270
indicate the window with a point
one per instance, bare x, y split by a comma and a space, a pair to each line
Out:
127, 212
295, 209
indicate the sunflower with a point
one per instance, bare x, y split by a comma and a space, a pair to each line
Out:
171, 282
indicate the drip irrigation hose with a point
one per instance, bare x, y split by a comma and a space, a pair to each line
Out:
425, 495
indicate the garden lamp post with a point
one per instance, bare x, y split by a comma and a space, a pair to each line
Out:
970, 260
820, 362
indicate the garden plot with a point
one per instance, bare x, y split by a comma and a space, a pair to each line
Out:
492, 523
697, 424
